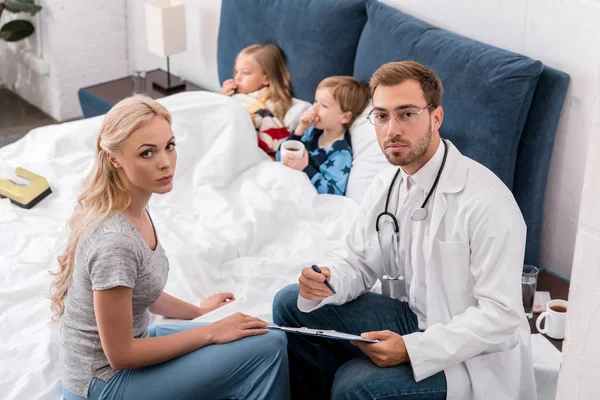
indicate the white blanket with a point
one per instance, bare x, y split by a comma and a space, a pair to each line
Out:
235, 221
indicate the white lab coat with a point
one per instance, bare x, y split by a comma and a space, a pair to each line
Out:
474, 312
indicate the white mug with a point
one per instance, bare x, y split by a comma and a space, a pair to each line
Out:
292, 147
556, 319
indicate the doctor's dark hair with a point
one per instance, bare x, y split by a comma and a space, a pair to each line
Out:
395, 73
104, 193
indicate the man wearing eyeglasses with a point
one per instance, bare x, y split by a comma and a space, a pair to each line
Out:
446, 239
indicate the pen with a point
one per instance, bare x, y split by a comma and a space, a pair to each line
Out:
318, 270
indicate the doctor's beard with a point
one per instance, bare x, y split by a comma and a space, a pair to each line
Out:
416, 151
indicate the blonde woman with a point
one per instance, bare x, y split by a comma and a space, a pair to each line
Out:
112, 276
261, 82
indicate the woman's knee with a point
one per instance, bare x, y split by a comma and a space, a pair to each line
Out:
266, 349
273, 341
285, 304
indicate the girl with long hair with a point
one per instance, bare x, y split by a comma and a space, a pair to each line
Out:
261, 82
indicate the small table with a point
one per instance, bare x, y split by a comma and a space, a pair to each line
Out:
98, 99
559, 289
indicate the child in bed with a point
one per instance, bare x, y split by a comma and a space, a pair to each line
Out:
262, 83
324, 132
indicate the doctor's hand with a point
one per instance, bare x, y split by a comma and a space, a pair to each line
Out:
389, 352
312, 284
229, 87
297, 163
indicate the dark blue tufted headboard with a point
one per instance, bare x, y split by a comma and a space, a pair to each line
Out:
318, 38
501, 108
535, 151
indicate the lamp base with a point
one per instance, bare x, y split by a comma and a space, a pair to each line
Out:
162, 84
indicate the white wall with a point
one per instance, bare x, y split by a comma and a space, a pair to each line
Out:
82, 43
199, 63
3, 56
578, 377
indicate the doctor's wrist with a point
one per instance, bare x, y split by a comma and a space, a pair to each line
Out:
406, 356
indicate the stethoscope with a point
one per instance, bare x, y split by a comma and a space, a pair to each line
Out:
420, 214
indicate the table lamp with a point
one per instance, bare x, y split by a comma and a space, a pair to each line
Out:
166, 34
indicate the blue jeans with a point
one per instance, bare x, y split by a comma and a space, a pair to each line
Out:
323, 369
251, 368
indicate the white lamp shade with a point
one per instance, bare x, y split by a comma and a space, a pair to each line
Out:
165, 27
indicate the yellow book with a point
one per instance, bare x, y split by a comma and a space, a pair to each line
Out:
25, 195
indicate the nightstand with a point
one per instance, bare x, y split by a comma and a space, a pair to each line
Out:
98, 99
559, 289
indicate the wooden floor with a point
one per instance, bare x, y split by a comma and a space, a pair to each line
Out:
17, 117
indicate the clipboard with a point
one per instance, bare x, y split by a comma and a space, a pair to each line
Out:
327, 334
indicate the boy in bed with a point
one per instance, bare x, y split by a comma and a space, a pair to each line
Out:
324, 132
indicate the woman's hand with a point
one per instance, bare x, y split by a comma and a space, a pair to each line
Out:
297, 163
235, 327
229, 87
216, 301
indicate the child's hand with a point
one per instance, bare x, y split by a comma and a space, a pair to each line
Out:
307, 119
297, 163
229, 87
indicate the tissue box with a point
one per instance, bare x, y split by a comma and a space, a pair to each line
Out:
540, 300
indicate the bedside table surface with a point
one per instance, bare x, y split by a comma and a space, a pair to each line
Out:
559, 289
115, 91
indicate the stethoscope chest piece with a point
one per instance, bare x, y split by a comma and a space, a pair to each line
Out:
419, 214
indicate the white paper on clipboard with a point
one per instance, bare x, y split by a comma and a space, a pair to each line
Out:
328, 334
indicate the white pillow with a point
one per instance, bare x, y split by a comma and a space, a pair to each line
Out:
292, 117
218, 135
367, 159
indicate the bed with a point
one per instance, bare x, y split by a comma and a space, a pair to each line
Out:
236, 221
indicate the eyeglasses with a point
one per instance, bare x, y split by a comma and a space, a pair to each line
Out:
403, 116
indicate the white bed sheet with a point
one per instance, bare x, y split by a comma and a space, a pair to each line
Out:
235, 221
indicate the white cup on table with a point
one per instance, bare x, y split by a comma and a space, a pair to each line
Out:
294, 148
556, 319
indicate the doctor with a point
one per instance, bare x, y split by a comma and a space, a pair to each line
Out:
446, 238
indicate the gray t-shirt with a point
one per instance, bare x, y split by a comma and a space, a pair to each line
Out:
114, 254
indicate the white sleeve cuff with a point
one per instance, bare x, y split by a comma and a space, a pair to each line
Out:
413, 343
306, 306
